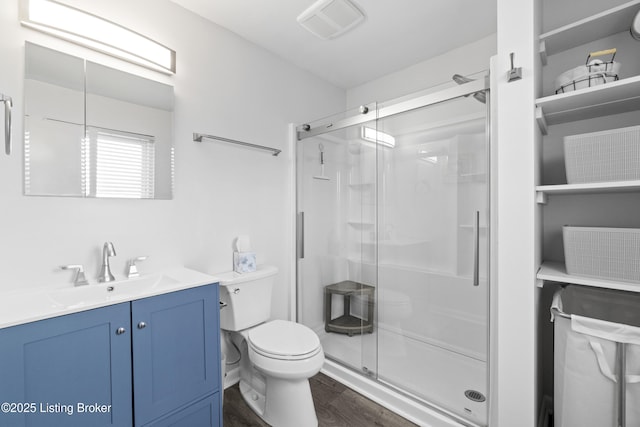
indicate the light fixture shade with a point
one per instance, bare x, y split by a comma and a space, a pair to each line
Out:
328, 19
94, 32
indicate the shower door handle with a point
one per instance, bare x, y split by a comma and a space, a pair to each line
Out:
300, 239
476, 249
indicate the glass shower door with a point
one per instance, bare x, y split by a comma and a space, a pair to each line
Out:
337, 247
433, 255
393, 245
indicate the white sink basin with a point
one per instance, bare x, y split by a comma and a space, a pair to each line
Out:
43, 303
121, 290
89, 294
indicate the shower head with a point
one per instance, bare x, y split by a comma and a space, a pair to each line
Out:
461, 79
479, 96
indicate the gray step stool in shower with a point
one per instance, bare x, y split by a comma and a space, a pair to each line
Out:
348, 324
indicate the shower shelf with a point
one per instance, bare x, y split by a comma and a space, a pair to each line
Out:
395, 243
469, 226
361, 185
361, 224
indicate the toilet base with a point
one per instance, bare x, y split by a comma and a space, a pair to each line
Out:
289, 404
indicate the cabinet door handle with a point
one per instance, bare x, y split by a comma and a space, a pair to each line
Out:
142, 325
120, 331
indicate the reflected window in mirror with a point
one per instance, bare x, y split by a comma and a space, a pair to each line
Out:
119, 164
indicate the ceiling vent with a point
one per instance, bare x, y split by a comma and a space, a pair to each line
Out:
328, 19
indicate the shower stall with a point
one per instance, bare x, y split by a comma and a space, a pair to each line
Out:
392, 205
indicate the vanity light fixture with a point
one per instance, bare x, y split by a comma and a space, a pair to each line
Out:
96, 33
377, 137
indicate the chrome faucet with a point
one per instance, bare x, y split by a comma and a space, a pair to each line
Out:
105, 272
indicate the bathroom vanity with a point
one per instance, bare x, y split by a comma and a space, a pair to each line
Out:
147, 357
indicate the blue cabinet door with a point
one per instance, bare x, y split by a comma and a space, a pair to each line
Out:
73, 370
176, 355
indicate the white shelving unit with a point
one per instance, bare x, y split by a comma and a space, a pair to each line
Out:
607, 99
543, 191
586, 30
556, 272
611, 98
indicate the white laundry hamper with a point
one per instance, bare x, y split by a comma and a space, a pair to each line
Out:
596, 335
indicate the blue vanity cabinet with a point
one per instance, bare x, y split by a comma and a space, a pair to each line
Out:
72, 370
203, 413
176, 358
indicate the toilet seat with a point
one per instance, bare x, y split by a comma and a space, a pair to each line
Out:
284, 340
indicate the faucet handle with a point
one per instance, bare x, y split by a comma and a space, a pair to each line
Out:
132, 271
79, 279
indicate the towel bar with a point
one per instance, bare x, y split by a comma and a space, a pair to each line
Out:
198, 138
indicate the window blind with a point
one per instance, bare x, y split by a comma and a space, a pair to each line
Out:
119, 164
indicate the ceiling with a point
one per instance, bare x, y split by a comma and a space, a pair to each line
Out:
394, 35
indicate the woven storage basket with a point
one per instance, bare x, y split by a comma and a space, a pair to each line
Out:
605, 253
611, 155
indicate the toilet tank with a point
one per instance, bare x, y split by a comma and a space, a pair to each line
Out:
247, 297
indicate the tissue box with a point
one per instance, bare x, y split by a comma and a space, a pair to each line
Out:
244, 262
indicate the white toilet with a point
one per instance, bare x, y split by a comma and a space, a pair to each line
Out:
276, 357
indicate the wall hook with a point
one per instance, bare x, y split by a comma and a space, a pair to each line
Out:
514, 73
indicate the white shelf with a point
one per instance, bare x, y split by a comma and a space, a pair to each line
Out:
543, 191
361, 185
586, 30
610, 98
361, 224
395, 243
556, 272
470, 226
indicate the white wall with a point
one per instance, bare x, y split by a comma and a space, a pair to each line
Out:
223, 86
465, 60
516, 219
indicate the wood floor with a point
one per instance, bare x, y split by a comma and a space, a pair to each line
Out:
336, 406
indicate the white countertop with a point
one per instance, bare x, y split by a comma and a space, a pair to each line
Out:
37, 304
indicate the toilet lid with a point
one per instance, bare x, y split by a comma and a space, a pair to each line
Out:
284, 338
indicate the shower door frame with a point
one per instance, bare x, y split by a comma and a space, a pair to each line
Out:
444, 95
304, 131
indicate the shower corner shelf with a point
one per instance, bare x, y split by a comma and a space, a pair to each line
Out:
348, 324
361, 224
360, 185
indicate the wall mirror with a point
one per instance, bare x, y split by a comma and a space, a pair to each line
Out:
94, 131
